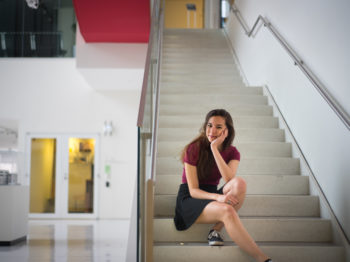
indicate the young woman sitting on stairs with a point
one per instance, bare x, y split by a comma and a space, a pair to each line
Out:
207, 159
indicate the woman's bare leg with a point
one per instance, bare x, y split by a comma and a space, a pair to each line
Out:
237, 187
221, 212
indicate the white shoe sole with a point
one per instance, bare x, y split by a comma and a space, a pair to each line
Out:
215, 243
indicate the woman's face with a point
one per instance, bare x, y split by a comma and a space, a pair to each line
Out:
215, 126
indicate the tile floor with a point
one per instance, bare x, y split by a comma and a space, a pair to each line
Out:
71, 241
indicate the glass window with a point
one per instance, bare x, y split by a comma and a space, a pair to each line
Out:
43, 175
45, 31
81, 176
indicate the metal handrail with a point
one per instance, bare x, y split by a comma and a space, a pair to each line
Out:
147, 68
336, 107
149, 95
155, 122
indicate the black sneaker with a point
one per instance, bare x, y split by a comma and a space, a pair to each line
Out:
214, 238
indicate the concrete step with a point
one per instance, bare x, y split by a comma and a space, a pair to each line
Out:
195, 45
194, 71
187, 72
202, 63
206, 82
204, 38
188, 56
261, 229
208, 36
198, 66
217, 73
256, 184
211, 100
201, 110
199, 252
202, 55
198, 78
173, 52
177, 88
198, 41
255, 205
188, 45
230, 88
216, 36
201, 79
247, 166
191, 31
193, 54
197, 59
234, 83
197, 38
238, 121
185, 135
193, 48
217, 47
261, 149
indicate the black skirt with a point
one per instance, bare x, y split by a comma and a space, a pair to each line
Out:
188, 209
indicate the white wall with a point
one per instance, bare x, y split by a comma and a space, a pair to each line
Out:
318, 32
50, 95
113, 66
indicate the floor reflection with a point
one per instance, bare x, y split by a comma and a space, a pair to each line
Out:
71, 241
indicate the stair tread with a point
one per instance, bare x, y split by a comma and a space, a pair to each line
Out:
257, 184
260, 243
247, 158
277, 196
283, 229
261, 218
282, 252
255, 205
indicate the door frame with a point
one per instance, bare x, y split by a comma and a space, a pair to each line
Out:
62, 171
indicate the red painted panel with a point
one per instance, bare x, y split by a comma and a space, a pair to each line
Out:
113, 21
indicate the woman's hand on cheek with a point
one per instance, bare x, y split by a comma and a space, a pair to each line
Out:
217, 142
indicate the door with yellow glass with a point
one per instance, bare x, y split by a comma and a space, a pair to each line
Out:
62, 175
184, 14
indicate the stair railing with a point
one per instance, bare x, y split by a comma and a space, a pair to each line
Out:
147, 124
336, 107
344, 117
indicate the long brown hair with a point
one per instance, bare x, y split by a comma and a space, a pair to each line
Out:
206, 158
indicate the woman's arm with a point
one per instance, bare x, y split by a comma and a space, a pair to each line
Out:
227, 171
196, 192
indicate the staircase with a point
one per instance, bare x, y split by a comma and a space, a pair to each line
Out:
198, 74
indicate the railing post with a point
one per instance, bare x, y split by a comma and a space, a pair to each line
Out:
149, 220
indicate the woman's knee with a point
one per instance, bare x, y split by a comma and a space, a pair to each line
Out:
240, 185
236, 186
228, 212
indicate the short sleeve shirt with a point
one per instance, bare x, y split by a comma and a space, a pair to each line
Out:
192, 156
